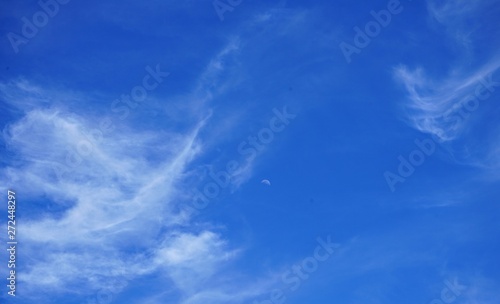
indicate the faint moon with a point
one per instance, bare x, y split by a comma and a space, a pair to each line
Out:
266, 182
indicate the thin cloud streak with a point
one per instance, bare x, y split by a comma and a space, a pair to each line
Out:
429, 100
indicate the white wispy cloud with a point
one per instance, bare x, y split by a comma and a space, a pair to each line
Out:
430, 100
452, 110
192, 259
451, 107
455, 16
446, 10
118, 197
120, 192
442, 106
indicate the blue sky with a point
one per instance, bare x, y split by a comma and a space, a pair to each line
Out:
136, 136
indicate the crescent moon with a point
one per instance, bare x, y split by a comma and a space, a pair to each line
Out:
266, 182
